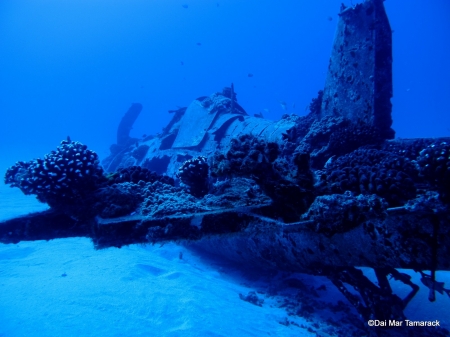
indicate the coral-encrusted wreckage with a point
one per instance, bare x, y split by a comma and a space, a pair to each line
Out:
317, 194
63, 178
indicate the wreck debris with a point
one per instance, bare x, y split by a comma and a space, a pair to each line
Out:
318, 194
359, 80
126, 124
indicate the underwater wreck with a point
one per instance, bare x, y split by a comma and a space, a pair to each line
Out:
320, 194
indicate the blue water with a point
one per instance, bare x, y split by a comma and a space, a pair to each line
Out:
74, 68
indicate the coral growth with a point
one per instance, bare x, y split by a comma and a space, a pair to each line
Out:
247, 155
434, 167
236, 192
349, 137
134, 174
62, 177
366, 171
337, 213
118, 200
288, 182
408, 148
194, 174
165, 200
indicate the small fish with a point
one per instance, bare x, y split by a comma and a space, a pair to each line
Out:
293, 105
144, 135
185, 6
266, 110
259, 115
199, 44
250, 75
283, 105
182, 63
330, 18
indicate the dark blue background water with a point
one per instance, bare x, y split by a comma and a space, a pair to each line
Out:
74, 67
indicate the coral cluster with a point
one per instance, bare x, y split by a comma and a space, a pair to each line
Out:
236, 192
61, 177
329, 135
316, 141
247, 155
368, 171
134, 174
118, 200
394, 171
408, 148
434, 167
350, 137
194, 174
165, 200
337, 213
287, 181
138, 190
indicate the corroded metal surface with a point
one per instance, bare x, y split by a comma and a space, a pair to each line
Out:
196, 121
359, 79
402, 238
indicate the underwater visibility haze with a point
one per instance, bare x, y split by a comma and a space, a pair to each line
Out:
74, 67
209, 141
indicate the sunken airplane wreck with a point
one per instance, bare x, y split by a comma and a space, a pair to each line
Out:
317, 194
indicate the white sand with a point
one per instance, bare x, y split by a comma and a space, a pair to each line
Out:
145, 291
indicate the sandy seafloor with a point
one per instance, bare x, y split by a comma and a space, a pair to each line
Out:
65, 287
